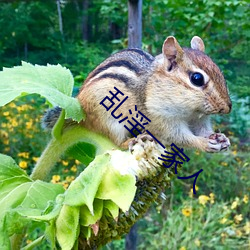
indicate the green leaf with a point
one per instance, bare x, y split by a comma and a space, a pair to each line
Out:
67, 226
58, 127
83, 152
39, 194
112, 207
83, 189
86, 218
9, 168
6, 186
118, 188
53, 82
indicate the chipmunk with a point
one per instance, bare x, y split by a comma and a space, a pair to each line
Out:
177, 90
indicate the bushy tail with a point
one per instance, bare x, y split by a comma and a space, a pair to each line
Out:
50, 118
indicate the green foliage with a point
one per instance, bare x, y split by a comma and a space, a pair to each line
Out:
30, 32
53, 82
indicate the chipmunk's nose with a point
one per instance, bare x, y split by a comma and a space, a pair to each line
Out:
226, 109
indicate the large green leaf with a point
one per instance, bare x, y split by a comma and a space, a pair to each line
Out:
9, 168
53, 82
21, 197
83, 152
118, 188
83, 189
67, 226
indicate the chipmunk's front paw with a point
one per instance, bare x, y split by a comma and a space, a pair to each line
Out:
217, 142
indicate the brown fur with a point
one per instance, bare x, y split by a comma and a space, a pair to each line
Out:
161, 89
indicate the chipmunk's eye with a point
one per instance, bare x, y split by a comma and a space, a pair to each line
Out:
197, 79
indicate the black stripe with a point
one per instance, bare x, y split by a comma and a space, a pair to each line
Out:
142, 53
119, 63
119, 77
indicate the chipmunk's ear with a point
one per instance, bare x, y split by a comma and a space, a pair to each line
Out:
171, 49
197, 43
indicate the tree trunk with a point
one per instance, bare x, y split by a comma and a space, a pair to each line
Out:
59, 16
85, 20
135, 23
131, 238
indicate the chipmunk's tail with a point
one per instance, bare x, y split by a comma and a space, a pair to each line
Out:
50, 117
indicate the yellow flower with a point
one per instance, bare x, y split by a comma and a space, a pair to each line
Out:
73, 168
70, 178
24, 154
223, 235
55, 178
35, 159
238, 233
23, 164
245, 199
238, 218
203, 199
65, 163
247, 227
6, 113
224, 164
234, 152
211, 195
186, 211
14, 123
182, 248
223, 220
191, 192
77, 162
197, 242
29, 124
65, 185
235, 203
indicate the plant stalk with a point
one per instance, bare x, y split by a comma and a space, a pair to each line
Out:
57, 147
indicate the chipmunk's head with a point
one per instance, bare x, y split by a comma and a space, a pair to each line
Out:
195, 79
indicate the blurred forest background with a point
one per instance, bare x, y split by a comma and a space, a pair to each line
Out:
79, 34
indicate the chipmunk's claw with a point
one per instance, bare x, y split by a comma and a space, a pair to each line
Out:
218, 142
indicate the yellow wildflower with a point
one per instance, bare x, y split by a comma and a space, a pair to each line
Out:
247, 227
6, 113
234, 152
14, 123
224, 164
24, 154
223, 235
65, 163
65, 185
12, 105
55, 178
203, 199
245, 199
238, 233
77, 162
238, 218
29, 124
35, 159
191, 192
73, 168
70, 178
23, 164
211, 195
223, 220
235, 203
4, 134
186, 211
197, 242
182, 248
